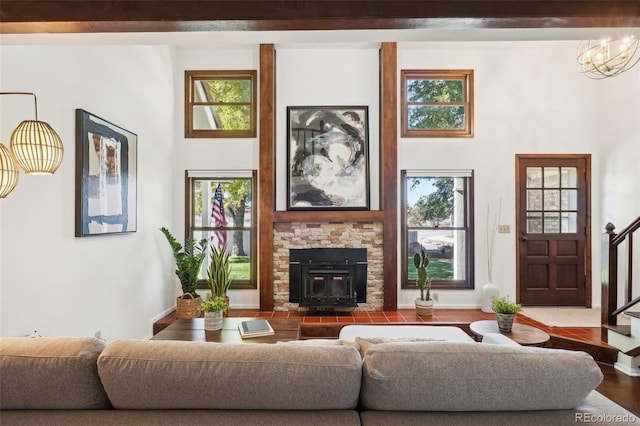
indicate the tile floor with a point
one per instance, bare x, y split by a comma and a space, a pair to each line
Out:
587, 334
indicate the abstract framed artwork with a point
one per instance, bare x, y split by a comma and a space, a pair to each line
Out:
328, 158
106, 177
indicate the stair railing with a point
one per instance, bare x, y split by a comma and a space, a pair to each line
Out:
610, 245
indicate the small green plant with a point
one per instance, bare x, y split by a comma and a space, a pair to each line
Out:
420, 261
188, 260
502, 305
219, 271
216, 304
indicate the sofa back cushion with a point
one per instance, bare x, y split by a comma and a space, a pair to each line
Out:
200, 375
50, 373
449, 376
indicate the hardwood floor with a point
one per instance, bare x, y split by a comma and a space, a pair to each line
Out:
622, 389
618, 387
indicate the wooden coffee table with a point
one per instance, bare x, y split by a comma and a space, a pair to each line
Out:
192, 330
520, 333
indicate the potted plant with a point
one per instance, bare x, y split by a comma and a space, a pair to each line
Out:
506, 311
188, 263
424, 305
213, 309
219, 272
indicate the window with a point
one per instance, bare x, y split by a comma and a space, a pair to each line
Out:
220, 104
437, 214
552, 200
220, 208
437, 103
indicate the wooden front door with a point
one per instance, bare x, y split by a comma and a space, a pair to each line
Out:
553, 230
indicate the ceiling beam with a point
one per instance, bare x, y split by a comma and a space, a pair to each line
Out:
81, 16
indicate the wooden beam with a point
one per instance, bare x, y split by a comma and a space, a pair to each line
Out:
389, 171
266, 174
81, 16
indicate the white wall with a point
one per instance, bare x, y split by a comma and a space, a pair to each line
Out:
619, 129
330, 75
51, 281
529, 99
209, 153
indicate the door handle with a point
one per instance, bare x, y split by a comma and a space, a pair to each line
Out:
524, 237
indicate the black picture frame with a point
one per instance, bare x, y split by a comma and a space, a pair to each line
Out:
328, 158
106, 177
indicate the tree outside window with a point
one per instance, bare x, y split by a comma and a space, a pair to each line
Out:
221, 209
220, 104
437, 215
437, 103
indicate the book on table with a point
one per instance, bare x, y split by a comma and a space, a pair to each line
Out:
255, 328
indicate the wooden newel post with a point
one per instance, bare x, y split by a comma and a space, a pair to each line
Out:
609, 296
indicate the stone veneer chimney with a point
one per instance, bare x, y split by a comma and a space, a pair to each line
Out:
300, 235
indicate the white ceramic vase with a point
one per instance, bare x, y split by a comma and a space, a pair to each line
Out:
212, 321
489, 292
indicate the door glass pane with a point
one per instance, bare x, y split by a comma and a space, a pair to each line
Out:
534, 199
534, 223
551, 199
551, 177
534, 177
552, 223
570, 223
569, 177
569, 199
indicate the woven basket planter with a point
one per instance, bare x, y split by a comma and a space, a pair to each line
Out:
187, 306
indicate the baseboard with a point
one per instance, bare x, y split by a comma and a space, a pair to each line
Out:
157, 318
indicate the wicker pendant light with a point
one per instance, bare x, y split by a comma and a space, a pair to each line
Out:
37, 147
8, 171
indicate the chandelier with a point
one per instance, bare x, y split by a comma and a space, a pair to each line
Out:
607, 58
35, 146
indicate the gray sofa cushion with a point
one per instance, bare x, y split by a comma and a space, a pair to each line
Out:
50, 373
199, 375
449, 376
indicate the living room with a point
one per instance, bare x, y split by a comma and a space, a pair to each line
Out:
529, 99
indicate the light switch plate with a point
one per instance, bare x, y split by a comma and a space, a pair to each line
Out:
504, 229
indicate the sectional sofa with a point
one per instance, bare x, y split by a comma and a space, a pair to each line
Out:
82, 381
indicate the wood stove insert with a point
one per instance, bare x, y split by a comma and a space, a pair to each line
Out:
328, 279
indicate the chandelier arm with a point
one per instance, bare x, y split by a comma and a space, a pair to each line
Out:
35, 100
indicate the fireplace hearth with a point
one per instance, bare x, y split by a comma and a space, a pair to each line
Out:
328, 278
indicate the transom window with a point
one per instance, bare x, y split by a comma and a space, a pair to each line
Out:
437, 214
220, 104
437, 103
220, 208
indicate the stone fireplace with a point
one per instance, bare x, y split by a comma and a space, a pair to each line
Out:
364, 236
